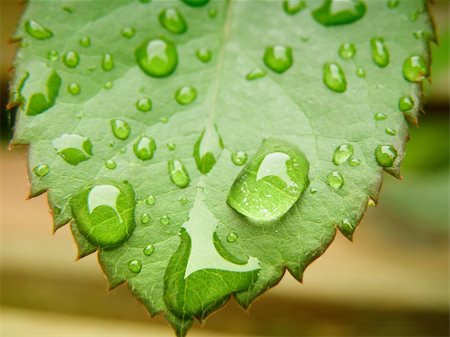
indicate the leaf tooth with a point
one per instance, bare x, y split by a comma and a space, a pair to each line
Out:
180, 325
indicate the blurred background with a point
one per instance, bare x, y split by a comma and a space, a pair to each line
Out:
392, 281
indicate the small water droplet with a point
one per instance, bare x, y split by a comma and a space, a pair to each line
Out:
255, 74
354, 162
165, 220
385, 155
292, 7
347, 50
68, 9
74, 88
278, 58
334, 77
371, 203
335, 180
204, 54
270, 184
380, 53
346, 227
414, 15
185, 95
232, 237
239, 158
107, 62
128, 32
85, 42
151, 200
391, 4
144, 104
415, 68
120, 129
212, 13
144, 148
379, 116
164, 119
157, 57
41, 170
110, 164
135, 266
108, 85
178, 173
53, 55
339, 12
73, 148
313, 190
390, 131
406, 103
145, 218
342, 154
360, 72
71, 59
207, 149
172, 20
184, 200
421, 35
37, 30
196, 3
149, 249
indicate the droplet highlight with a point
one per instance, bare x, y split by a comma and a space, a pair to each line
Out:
239, 158
107, 62
144, 104
135, 266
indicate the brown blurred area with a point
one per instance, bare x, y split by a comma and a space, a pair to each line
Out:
392, 281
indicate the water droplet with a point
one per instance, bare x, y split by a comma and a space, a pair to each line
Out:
379, 116
107, 62
212, 13
120, 129
135, 266
239, 158
414, 15
204, 54
360, 72
391, 4
37, 31
185, 95
184, 200
346, 227
371, 203
110, 164
157, 57
144, 148
178, 173
164, 119
405, 103
335, 180
144, 104
415, 68
151, 200
292, 7
278, 58
207, 149
85, 42
390, 131
145, 218
354, 162
73, 148
313, 190
347, 50
255, 74
334, 77
104, 212
270, 183
172, 20
41, 170
232, 237
128, 32
385, 155
149, 249
68, 9
195, 3
71, 59
53, 55
380, 53
165, 220
171, 146
74, 88
339, 12
421, 35
108, 85
342, 154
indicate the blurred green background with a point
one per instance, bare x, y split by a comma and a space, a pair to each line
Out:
392, 281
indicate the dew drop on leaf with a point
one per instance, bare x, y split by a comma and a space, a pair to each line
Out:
292, 7
178, 173
207, 149
120, 129
144, 104
204, 54
150, 200
380, 53
335, 180
135, 266
415, 68
346, 227
239, 158
165, 220
339, 12
148, 250
74, 88
41, 170
195, 3
52, 55
391, 4
232, 237
385, 155
334, 77
37, 30
108, 85
73, 148
360, 72
313, 190
157, 57
107, 62
104, 212
354, 162
144, 148
145, 218
347, 50
128, 32
255, 74
212, 13
110, 164
271, 182
405, 103
185, 95
173, 21
71, 59
342, 154
390, 131
85, 42
171, 146
379, 116
278, 58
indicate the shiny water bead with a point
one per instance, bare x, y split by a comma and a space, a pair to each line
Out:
164, 119
421, 35
405, 103
157, 57
335, 180
145, 218
37, 30
204, 54
390, 131
380, 53
292, 7
339, 12
120, 129
346, 228
104, 212
232, 237
354, 162
334, 77
41, 170
150, 200
128, 32
53, 55
196, 3
173, 21
255, 74
278, 58
85, 42
73, 148
414, 15
171, 146
107, 62
212, 13
74, 88
360, 72
148, 250
347, 50
415, 68
178, 173
342, 154
207, 149
239, 158
71, 59
108, 85
391, 4
385, 155
144, 148
165, 220
379, 116
144, 104
185, 95
271, 182
110, 164
135, 266
313, 190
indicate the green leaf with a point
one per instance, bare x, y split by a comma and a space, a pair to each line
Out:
141, 116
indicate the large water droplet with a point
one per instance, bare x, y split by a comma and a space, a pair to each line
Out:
335, 180
255, 74
71, 59
405, 103
204, 55
144, 148
334, 77
120, 128
271, 182
347, 50
107, 62
385, 155
278, 58
195, 3
292, 7
73, 148
157, 57
380, 53
135, 266
239, 158
415, 68
104, 212
37, 30
207, 149
185, 95
144, 104
178, 173
339, 12
172, 20
342, 154
41, 170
